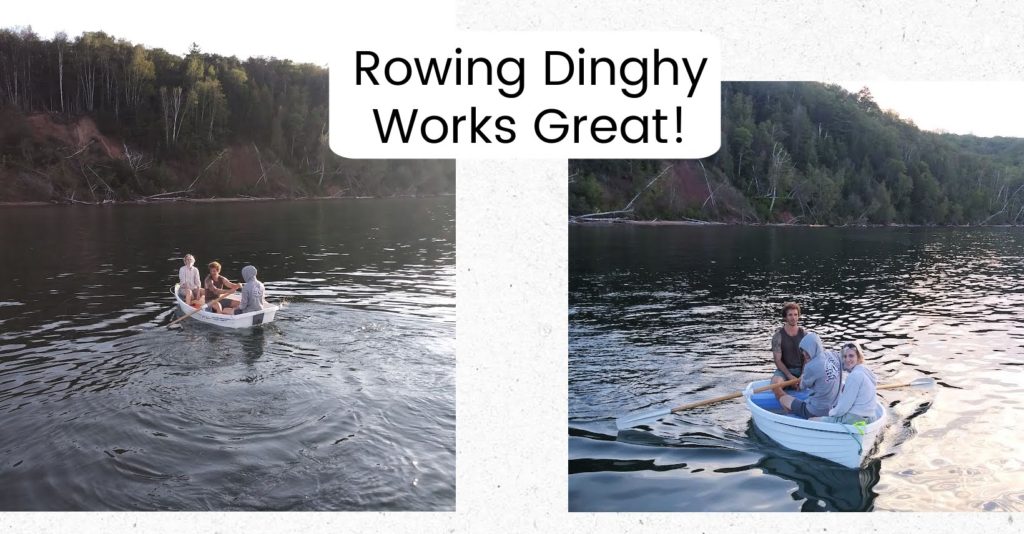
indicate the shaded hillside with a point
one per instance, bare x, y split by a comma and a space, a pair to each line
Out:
98, 118
808, 152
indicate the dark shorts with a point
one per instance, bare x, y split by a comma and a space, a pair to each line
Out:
799, 408
796, 372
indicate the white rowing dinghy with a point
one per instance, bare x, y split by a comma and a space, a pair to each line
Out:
846, 445
245, 320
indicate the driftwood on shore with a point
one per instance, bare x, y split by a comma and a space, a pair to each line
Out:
171, 195
685, 221
626, 214
628, 209
241, 198
184, 194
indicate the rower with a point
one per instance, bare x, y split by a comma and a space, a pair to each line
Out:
217, 285
788, 361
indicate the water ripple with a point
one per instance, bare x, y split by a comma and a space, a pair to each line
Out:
663, 316
345, 402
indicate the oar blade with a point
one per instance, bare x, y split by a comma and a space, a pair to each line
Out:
636, 419
925, 382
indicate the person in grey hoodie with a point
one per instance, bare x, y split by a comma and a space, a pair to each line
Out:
822, 373
252, 292
857, 396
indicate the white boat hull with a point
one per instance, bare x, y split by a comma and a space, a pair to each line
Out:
245, 320
846, 445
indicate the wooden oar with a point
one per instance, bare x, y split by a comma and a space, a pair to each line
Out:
923, 382
190, 314
630, 421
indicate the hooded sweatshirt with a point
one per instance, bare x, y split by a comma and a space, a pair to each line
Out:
252, 292
821, 375
857, 396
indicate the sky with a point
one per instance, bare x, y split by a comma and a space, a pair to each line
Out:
985, 109
302, 32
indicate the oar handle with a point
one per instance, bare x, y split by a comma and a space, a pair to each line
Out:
190, 314
733, 395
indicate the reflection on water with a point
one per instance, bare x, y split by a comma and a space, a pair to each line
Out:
823, 486
345, 402
668, 315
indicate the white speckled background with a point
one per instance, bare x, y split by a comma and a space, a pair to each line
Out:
512, 268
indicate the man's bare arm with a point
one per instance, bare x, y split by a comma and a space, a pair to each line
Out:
782, 367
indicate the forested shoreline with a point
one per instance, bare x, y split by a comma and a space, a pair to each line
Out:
95, 118
812, 153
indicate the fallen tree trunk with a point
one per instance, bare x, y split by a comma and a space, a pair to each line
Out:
628, 210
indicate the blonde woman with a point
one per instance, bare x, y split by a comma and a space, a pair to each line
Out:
856, 400
188, 283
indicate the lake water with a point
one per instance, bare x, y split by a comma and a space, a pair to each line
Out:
345, 402
666, 315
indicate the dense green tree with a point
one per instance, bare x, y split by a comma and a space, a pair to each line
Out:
179, 114
818, 154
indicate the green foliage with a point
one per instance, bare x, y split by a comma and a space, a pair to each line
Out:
823, 155
585, 195
183, 111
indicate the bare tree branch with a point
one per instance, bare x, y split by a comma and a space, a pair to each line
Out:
263, 172
629, 207
628, 210
91, 141
215, 160
711, 194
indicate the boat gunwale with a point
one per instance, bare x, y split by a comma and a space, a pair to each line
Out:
817, 426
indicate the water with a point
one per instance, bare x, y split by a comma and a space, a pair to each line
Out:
668, 315
345, 402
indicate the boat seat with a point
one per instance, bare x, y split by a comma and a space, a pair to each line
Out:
767, 400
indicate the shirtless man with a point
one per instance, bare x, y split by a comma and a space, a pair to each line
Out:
217, 285
789, 362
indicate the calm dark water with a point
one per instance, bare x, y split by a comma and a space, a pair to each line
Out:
345, 402
668, 315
